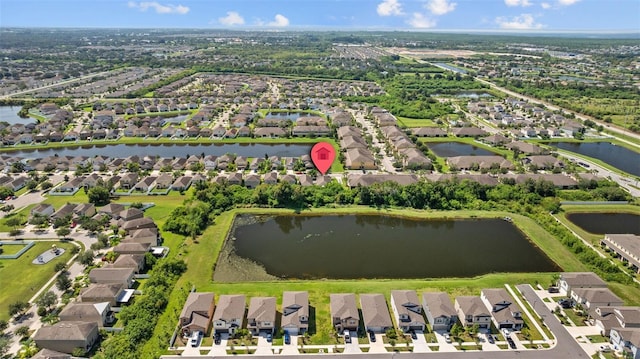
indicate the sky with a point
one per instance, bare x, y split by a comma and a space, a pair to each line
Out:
423, 15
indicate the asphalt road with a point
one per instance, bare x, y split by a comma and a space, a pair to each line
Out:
566, 346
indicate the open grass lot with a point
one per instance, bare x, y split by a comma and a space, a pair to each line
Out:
20, 279
8, 249
201, 255
416, 122
469, 141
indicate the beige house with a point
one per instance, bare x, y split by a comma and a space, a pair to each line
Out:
197, 313
66, 337
96, 293
407, 310
344, 311
229, 314
591, 298
571, 280
295, 312
122, 276
375, 313
261, 316
505, 313
359, 159
439, 310
471, 310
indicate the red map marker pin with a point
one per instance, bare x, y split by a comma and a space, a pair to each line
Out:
322, 155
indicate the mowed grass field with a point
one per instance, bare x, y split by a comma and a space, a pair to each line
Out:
20, 279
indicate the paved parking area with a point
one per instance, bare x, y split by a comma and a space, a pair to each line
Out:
444, 346
264, 347
220, 349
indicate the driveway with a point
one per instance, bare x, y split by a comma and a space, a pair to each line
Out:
420, 344
352, 347
220, 349
264, 347
378, 345
292, 348
442, 342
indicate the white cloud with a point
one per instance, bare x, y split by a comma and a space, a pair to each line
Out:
159, 8
279, 21
389, 8
545, 5
567, 2
440, 7
522, 22
420, 21
522, 3
232, 18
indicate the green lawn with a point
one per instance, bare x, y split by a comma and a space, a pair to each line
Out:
8, 249
416, 122
20, 279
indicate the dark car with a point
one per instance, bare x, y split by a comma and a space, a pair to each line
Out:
287, 338
512, 344
372, 337
553, 290
490, 339
565, 303
269, 337
414, 335
217, 338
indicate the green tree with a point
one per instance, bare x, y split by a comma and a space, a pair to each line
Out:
47, 300
18, 308
22, 331
5, 344
98, 195
63, 283
86, 257
3, 325
62, 232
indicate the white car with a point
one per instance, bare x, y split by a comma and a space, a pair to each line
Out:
447, 338
605, 348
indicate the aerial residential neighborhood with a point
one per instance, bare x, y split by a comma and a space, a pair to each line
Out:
319, 179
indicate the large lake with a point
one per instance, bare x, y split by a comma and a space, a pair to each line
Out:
617, 156
171, 150
607, 223
453, 149
375, 246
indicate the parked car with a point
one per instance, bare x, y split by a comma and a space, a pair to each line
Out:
447, 338
372, 336
347, 337
605, 348
269, 337
565, 303
195, 337
553, 290
217, 338
287, 338
490, 339
512, 344
414, 335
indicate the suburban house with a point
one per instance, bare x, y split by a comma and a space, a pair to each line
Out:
295, 312
229, 314
606, 318
42, 209
135, 261
126, 247
130, 214
626, 341
99, 313
591, 298
504, 311
139, 223
439, 310
97, 293
626, 247
344, 311
197, 313
66, 337
471, 310
261, 316
359, 159
407, 310
122, 276
375, 313
571, 280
